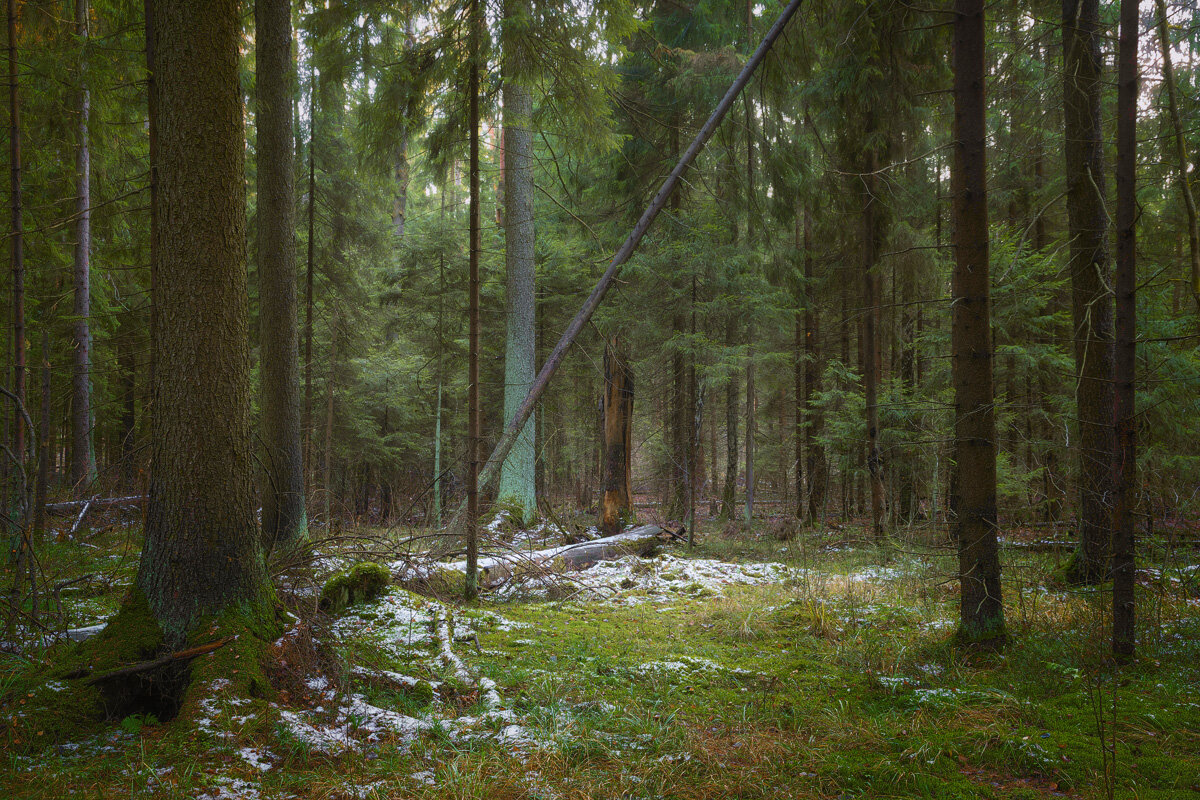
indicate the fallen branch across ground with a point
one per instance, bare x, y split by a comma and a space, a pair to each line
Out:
162, 661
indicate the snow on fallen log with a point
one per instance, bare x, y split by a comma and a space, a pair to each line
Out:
70, 506
498, 569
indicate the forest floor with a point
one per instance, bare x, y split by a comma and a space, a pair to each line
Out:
821, 666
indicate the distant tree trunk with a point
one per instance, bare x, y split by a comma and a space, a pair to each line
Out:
816, 467
1185, 186
470, 588
981, 610
729, 492
330, 384
1091, 301
750, 429
16, 238
870, 340
202, 552
518, 475
616, 505
44, 439
283, 514
1125, 428
437, 458
127, 367
83, 453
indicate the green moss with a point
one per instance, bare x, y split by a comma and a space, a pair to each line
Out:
440, 582
362, 582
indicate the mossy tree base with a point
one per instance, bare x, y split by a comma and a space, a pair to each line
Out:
59, 699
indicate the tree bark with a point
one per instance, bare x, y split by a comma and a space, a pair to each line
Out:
518, 474
283, 513
1124, 422
1091, 301
83, 453
616, 502
470, 586
981, 610
307, 420
16, 237
202, 552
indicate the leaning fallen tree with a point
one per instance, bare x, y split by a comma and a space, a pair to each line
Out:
500, 568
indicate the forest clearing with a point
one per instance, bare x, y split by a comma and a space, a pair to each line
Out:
820, 666
705, 399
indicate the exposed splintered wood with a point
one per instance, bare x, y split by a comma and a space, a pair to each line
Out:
616, 502
496, 570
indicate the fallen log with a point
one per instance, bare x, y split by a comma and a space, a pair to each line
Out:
69, 506
498, 569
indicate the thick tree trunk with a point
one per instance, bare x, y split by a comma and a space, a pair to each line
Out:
981, 610
616, 502
283, 513
1091, 300
202, 551
83, 453
518, 475
1125, 428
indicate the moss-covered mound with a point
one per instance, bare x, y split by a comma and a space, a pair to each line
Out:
362, 582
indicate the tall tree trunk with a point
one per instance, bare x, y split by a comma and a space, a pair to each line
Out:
283, 513
870, 339
202, 552
16, 237
307, 421
518, 474
981, 610
1125, 428
83, 453
729, 491
470, 588
816, 467
1185, 186
616, 504
1091, 301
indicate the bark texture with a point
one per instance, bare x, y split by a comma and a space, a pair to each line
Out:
871, 225
981, 610
1125, 463
283, 514
616, 500
518, 474
202, 551
1091, 300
